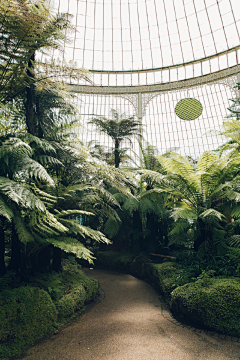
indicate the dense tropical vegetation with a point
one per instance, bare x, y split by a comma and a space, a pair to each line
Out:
57, 198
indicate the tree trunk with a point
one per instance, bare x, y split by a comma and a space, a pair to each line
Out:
29, 105
2, 247
116, 154
151, 240
57, 258
137, 237
15, 262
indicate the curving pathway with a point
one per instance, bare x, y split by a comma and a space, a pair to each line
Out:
131, 323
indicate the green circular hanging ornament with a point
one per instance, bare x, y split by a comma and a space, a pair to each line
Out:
188, 109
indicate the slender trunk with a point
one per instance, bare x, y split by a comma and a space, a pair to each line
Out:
116, 154
57, 258
2, 247
137, 237
40, 118
209, 246
151, 240
30, 113
15, 262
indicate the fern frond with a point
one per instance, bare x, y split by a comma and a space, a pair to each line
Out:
84, 231
212, 213
234, 241
72, 246
178, 235
64, 213
153, 176
111, 228
147, 206
48, 160
42, 144
206, 160
35, 170
23, 234
14, 147
183, 213
131, 204
5, 210
20, 194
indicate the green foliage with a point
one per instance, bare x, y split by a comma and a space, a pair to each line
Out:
119, 127
167, 276
69, 290
6, 280
73, 246
70, 303
26, 314
50, 299
111, 228
211, 302
114, 260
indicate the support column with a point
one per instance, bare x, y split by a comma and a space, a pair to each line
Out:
238, 81
140, 116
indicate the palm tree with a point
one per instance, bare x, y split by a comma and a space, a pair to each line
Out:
119, 128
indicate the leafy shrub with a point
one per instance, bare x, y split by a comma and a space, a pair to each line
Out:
115, 260
72, 302
29, 312
138, 266
166, 277
26, 314
211, 302
67, 281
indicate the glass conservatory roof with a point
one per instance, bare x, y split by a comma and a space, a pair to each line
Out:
128, 35
145, 56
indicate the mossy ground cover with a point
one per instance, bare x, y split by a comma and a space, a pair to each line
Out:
211, 302
49, 300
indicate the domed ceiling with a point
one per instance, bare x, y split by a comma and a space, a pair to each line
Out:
123, 35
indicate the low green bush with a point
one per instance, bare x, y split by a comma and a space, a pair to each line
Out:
33, 310
70, 289
211, 302
26, 314
167, 276
114, 260
70, 303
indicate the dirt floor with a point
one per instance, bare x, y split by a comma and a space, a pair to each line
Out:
130, 322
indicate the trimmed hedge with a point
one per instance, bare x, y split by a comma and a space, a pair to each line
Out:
114, 260
26, 314
166, 277
211, 302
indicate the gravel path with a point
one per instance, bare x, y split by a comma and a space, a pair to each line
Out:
131, 323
